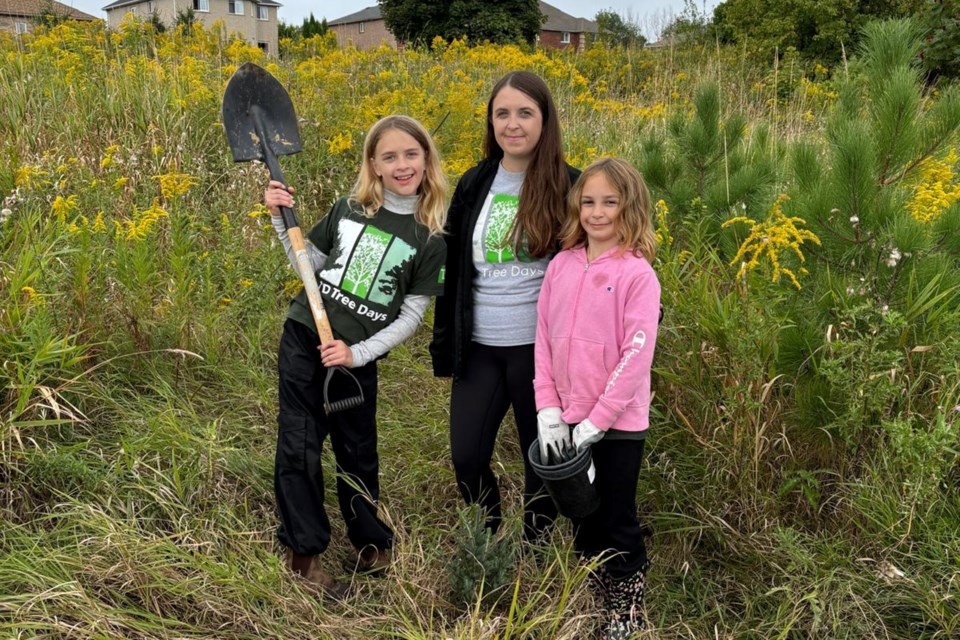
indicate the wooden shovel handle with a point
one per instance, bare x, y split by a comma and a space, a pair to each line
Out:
310, 286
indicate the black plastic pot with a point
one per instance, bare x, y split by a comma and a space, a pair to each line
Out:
567, 483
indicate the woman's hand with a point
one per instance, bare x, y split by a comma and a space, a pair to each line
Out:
336, 353
277, 196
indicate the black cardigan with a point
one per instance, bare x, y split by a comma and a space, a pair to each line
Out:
453, 317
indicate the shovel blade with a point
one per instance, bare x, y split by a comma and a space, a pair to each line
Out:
258, 113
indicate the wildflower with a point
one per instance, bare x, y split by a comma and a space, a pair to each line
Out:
98, 226
937, 188
894, 257
4, 214
144, 222
175, 184
854, 219
772, 237
62, 206
340, 143
31, 294
109, 156
663, 231
121, 182
25, 176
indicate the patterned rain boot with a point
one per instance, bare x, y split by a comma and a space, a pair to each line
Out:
624, 607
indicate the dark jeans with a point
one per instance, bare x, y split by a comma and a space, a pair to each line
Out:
494, 379
614, 526
303, 426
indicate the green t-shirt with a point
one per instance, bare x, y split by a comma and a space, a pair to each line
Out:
372, 264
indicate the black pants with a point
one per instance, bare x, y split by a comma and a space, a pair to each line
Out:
496, 378
298, 476
614, 527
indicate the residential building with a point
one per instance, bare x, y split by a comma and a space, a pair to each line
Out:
563, 31
19, 16
366, 29
255, 20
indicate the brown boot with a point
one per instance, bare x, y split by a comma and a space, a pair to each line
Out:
370, 561
309, 569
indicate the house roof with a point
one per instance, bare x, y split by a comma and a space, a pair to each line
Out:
556, 20
367, 15
125, 3
31, 8
559, 21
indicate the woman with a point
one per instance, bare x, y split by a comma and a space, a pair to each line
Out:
502, 229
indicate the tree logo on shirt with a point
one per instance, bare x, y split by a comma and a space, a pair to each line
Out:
367, 262
503, 211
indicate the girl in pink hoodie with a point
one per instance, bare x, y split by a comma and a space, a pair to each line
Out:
597, 327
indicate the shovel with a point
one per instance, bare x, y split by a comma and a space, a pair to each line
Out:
260, 123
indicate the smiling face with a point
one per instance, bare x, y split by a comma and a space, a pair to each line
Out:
399, 161
517, 124
599, 214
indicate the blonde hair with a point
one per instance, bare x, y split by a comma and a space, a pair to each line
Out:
635, 223
368, 190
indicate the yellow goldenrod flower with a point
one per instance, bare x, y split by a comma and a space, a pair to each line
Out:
339, 143
175, 184
25, 176
144, 221
776, 235
664, 238
936, 189
62, 207
98, 224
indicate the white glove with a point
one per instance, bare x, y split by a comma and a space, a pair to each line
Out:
585, 434
554, 434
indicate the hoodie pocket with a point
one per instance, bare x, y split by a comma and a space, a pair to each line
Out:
583, 371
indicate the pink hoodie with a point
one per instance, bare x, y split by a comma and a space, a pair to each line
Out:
596, 332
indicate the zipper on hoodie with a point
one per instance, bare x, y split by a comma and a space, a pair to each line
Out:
576, 305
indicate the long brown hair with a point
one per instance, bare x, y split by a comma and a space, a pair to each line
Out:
634, 225
545, 185
368, 191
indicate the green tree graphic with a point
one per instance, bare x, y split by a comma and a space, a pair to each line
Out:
365, 260
503, 210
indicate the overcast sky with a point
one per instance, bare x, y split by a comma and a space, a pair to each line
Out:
651, 15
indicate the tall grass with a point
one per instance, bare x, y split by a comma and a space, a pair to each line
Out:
794, 486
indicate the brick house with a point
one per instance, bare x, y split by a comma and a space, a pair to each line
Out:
366, 29
19, 16
255, 20
563, 31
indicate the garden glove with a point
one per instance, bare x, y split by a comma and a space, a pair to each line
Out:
554, 435
585, 434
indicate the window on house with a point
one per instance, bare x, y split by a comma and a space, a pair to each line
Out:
150, 7
201, 5
20, 27
263, 13
264, 47
236, 7
565, 38
362, 27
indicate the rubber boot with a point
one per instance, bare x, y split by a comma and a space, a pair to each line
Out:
623, 607
308, 567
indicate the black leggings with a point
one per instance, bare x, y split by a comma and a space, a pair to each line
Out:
494, 379
614, 528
